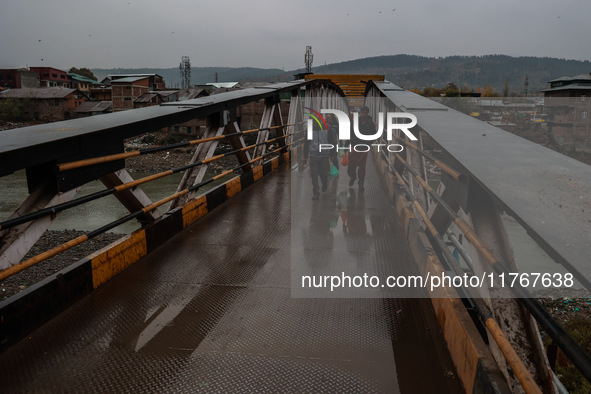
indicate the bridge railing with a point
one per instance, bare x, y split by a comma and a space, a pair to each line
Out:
60, 157
481, 172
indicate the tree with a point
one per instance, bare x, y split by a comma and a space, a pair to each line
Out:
489, 91
451, 90
14, 108
85, 72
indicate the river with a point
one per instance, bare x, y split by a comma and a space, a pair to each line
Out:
90, 216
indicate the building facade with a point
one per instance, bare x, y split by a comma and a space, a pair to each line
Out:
19, 78
568, 104
46, 104
50, 77
124, 91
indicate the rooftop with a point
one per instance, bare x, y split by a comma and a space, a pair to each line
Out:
93, 106
580, 77
128, 79
38, 93
572, 86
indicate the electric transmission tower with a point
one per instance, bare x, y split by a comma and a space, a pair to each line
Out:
185, 71
308, 58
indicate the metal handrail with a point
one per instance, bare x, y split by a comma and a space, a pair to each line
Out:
124, 186
78, 240
119, 156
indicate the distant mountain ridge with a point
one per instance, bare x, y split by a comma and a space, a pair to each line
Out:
409, 71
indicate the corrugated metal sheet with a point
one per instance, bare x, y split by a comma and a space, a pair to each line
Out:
128, 79
38, 93
226, 85
93, 106
145, 98
580, 77
572, 86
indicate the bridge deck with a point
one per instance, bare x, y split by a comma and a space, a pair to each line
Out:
212, 310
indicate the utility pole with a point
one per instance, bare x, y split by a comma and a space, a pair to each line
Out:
185, 71
308, 58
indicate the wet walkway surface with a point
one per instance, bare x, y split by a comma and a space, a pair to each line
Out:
212, 310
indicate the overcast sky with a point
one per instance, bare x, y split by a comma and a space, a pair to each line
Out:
274, 33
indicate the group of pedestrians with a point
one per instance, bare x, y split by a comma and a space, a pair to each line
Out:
321, 159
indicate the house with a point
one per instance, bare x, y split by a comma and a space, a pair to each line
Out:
127, 88
156, 98
124, 91
19, 78
155, 81
50, 77
147, 100
81, 82
48, 104
193, 127
568, 104
191, 93
224, 86
91, 108
100, 92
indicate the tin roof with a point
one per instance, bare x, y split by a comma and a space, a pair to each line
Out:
224, 84
81, 78
146, 97
580, 77
38, 93
128, 79
191, 94
572, 86
93, 106
165, 93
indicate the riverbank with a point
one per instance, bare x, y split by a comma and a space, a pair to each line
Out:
50, 239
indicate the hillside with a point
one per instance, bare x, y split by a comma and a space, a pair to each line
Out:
473, 71
409, 71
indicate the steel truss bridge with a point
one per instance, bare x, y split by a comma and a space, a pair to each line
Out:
205, 296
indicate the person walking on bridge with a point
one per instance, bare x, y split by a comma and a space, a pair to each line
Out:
318, 153
357, 160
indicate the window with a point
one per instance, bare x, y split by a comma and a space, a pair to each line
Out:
583, 97
54, 75
584, 114
62, 76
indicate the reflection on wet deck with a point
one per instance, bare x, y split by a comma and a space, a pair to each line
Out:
213, 310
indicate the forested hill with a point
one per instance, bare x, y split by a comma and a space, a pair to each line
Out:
408, 71
412, 71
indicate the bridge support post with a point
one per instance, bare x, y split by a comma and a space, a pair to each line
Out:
203, 151
271, 115
237, 142
418, 162
15, 242
133, 199
294, 117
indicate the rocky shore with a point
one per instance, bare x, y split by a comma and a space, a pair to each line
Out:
44, 269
